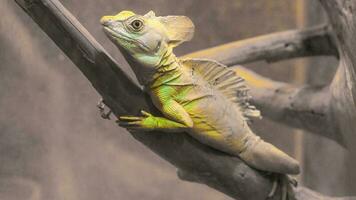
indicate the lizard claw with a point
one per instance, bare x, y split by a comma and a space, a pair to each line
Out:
146, 114
286, 184
101, 107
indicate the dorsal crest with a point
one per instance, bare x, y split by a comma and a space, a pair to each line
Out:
221, 78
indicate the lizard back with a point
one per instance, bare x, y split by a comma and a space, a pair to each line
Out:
216, 100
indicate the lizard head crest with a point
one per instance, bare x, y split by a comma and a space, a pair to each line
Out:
147, 38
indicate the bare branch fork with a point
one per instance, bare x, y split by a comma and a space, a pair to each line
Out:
196, 162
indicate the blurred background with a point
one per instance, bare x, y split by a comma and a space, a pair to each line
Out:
55, 146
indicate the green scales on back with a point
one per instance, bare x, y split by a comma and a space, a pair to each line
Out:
201, 97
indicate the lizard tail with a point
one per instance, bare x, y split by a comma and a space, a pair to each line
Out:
264, 156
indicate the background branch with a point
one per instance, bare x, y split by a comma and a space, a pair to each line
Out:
315, 41
196, 162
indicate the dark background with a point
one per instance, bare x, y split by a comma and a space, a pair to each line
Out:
54, 145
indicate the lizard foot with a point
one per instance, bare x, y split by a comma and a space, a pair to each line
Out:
144, 122
286, 183
101, 107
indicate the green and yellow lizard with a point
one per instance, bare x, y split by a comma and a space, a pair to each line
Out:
201, 97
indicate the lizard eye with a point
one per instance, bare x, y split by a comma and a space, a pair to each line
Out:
137, 25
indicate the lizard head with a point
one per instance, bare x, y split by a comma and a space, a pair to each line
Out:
147, 38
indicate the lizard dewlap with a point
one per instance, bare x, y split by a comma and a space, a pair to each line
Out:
199, 96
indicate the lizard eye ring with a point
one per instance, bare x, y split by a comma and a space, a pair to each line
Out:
137, 24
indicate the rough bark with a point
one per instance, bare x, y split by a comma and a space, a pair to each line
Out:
195, 161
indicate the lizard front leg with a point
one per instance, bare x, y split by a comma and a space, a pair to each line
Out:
148, 122
177, 119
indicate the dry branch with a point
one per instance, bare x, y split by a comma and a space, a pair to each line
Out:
316, 41
197, 162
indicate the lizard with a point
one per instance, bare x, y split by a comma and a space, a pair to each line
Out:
199, 96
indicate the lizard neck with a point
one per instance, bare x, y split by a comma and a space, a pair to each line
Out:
166, 70
168, 62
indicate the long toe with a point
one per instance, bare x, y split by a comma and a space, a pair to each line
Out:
285, 184
274, 187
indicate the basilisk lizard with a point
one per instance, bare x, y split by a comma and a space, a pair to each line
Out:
199, 96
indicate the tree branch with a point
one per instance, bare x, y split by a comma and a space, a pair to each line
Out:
203, 164
316, 41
